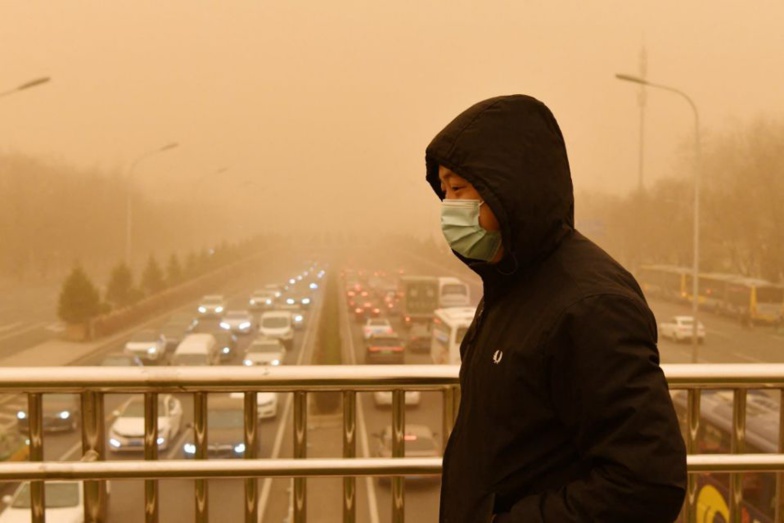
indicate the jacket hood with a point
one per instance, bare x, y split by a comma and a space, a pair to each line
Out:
511, 150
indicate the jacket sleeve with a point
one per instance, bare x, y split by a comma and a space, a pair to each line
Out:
608, 390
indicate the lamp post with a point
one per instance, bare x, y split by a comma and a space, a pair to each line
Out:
697, 167
128, 216
26, 85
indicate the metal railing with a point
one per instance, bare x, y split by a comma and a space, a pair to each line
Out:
92, 383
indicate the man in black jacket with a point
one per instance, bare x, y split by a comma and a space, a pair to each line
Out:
565, 414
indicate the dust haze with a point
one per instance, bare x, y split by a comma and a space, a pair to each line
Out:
309, 117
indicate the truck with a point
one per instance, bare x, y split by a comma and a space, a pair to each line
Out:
419, 298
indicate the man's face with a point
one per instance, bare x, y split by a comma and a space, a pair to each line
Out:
458, 188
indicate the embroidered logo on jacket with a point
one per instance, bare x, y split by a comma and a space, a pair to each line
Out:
497, 356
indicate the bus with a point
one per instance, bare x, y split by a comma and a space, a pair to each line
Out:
453, 292
747, 299
715, 437
449, 328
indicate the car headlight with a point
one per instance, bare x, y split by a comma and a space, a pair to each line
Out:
305, 301
239, 449
152, 350
247, 363
224, 325
202, 309
219, 309
298, 318
245, 325
290, 301
313, 286
161, 440
292, 281
189, 448
65, 414
226, 350
275, 362
252, 302
114, 443
21, 414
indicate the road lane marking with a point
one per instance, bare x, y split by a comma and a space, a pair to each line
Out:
10, 326
267, 486
20, 332
361, 427
747, 358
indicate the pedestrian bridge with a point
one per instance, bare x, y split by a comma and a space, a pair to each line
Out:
93, 383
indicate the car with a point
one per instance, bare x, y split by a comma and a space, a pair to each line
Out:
276, 288
126, 433
263, 299
227, 344
278, 324
419, 337
680, 328
212, 305
384, 348
61, 413
197, 350
301, 298
240, 321
226, 425
177, 327
264, 351
383, 398
63, 499
376, 326
148, 345
419, 441
266, 403
120, 359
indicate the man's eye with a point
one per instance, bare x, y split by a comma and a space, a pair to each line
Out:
457, 187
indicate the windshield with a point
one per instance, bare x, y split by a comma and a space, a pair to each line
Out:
225, 419
237, 315
770, 295
276, 322
454, 288
191, 359
379, 323
58, 495
135, 409
264, 347
212, 301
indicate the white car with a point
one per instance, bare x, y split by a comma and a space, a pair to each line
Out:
212, 305
63, 503
264, 351
240, 322
127, 431
266, 403
148, 345
383, 398
680, 328
278, 324
376, 326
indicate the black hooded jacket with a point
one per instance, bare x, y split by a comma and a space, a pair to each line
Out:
565, 414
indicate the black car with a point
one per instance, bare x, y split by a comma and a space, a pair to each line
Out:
227, 344
61, 413
176, 328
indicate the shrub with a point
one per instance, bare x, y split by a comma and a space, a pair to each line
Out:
79, 300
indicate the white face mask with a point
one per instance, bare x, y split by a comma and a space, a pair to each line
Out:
460, 225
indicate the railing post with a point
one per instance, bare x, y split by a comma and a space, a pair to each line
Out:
35, 425
737, 447
94, 445
779, 509
251, 452
349, 452
300, 452
693, 427
151, 454
200, 440
398, 451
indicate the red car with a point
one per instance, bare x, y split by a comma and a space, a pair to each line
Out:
384, 348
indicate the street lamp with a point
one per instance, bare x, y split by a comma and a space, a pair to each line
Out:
697, 167
26, 85
128, 226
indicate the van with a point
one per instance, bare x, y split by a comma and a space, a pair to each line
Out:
278, 324
449, 328
453, 292
197, 349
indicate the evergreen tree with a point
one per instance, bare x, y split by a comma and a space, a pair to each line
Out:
79, 299
174, 270
119, 292
152, 278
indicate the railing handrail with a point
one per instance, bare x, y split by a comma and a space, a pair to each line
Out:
330, 378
